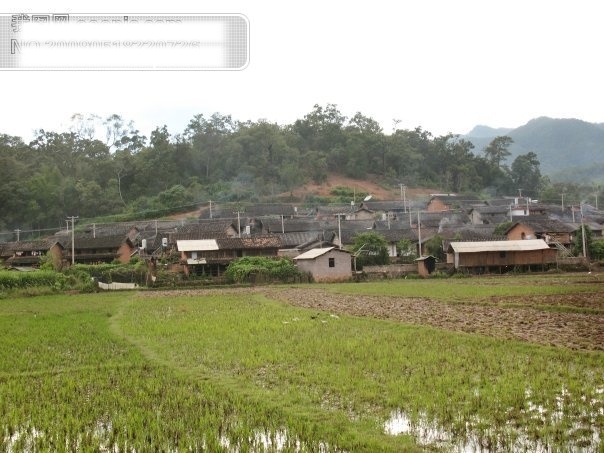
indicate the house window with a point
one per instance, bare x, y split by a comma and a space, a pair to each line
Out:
332, 262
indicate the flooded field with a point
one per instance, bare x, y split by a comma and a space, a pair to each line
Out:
463, 366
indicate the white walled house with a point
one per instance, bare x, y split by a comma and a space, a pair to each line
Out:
328, 264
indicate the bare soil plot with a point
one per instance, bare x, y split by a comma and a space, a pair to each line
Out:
527, 323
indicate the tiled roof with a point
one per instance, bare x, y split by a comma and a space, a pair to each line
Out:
458, 199
543, 225
295, 225
269, 209
356, 225
8, 248
396, 235
249, 242
195, 236
498, 246
392, 205
86, 243
315, 253
335, 209
291, 240
213, 226
105, 230
492, 209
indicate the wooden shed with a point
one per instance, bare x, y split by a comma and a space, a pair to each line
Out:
328, 264
498, 256
426, 265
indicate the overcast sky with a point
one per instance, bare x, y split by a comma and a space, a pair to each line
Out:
440, 64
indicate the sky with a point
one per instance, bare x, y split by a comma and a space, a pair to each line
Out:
445, 66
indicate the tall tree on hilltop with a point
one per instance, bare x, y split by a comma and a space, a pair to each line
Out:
498, 150
208, 136
526, 173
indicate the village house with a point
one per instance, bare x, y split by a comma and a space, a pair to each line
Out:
294, 244
394, 235
271, 226
447, 202
328, 264
224, 228
333, 211
500, 256
361, 214
29, 253
551, 231
385, 209
105, 249
490, 215
212, 256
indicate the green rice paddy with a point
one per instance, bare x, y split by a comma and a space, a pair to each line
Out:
238, 371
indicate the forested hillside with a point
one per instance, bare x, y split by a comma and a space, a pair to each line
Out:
219, 158
568, 149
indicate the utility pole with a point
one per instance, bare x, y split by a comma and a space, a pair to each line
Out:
239, 223
419, 234
94, 230
583, 233
519, 193
210, 209
282, 225
403, 196
72, 218
562, 203
17, 231
340, 230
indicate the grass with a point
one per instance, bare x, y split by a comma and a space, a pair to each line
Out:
456, 290
220, 372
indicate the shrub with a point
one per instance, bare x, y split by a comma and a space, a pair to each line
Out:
280, 269
109, 273
19, 280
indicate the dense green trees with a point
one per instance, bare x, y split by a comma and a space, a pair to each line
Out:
105, 166
370, 249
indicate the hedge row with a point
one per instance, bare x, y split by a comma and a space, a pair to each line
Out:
268, 269
19, 280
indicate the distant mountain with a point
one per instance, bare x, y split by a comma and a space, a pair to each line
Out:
486, 131
565, 147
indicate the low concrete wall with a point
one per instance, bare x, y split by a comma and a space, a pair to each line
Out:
398, 270
573, 263
390, 270
115, 286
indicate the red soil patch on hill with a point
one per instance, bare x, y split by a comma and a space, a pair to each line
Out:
377, 191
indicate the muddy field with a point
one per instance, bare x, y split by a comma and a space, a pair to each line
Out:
542, 319
522, 318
